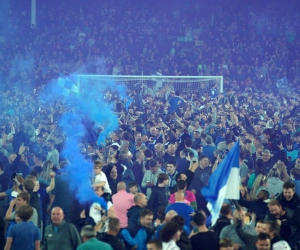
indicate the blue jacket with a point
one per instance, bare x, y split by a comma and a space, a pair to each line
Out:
174, 100
136, 234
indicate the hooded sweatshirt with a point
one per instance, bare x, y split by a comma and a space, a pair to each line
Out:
275, 186
133, 213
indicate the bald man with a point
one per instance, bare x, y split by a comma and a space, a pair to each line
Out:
168, 217
181, 208
122, 202
61, 234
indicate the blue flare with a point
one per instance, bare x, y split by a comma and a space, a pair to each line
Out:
87, 109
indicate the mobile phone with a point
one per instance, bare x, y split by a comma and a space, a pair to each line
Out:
13, 176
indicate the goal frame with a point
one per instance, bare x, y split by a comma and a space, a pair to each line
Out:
135, 77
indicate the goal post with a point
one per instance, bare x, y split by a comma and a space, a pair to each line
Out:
147, 84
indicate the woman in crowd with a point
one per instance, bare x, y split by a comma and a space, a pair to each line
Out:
281, 167
112, 175
244, 192
260, 183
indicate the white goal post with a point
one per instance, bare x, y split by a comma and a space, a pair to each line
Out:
148, 84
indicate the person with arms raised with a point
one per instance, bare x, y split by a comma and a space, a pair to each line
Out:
24, 235
231, 232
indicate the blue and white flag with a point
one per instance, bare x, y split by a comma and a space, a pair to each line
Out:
68, 88
223, 183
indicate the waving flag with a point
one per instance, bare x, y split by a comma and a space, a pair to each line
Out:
223, 183
67, 87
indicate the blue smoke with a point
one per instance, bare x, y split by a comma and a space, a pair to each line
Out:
123, 96
84, 112
19, 71
4, 11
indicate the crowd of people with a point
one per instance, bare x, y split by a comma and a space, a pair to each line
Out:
249, 44
150, 171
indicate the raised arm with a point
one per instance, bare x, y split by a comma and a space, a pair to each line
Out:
10, 209
52, 182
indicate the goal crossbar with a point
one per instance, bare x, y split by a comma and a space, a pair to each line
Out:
165, 79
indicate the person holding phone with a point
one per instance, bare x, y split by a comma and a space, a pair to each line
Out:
150, 177
291, 153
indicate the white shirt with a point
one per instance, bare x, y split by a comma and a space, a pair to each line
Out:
95, 213
102, 177
171, 245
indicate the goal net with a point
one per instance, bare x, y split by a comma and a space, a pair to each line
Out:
147, 85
